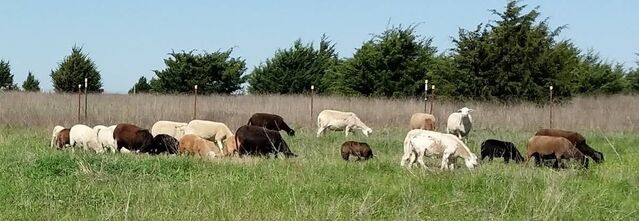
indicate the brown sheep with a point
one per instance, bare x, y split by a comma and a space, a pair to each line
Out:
576, 139
131, 137
423, 121
63, 139
358, 149
194, 145
558, 148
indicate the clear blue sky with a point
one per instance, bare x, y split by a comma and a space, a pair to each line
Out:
127, 39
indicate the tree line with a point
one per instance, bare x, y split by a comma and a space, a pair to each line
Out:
516, 57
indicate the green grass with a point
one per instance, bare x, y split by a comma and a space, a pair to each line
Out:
38, 183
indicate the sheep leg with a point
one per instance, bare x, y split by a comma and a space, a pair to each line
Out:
218, 142
320, 130
405, 158
444, 165
420, 159
346, 130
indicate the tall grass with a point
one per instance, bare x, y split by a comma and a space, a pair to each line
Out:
608, 113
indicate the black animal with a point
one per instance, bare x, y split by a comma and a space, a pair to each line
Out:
271, 122
358, 149
496, 148
254, 140
162, 143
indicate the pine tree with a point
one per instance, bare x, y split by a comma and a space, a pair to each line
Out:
6, 78
393, 64
215, 72
142, 86
72, 71
31, 84
295, 69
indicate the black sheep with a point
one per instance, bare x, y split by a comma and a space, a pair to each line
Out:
496, 148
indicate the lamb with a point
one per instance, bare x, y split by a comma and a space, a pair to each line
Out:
85, 136
358, 149
62, 140
496, 148
174, 129
191, 144
558, 148
460, 122
162, 143
576, 139
422, 121
209, 130
105, 137
419, 143
338, 120
54, 135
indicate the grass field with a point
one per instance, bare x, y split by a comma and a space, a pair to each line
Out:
38, 183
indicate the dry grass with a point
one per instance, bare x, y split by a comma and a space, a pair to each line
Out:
614, 113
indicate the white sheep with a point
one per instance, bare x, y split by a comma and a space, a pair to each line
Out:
460, 122
338, 120
209, 130
174, 129
54, 135
105, 137
84, 135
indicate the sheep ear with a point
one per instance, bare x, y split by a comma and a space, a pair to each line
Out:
470, 110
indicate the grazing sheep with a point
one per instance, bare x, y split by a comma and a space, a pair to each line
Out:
496, 148
422, 121
162, 143
54, 135
85, 136
460, 123
338, 120
419, 143
558, 148
209, 130
576, 139
63, 139
271, 122
191, 144
174, 129
358, 149
254, 140
131, 137
105, 137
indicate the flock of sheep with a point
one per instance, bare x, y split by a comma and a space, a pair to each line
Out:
261, 136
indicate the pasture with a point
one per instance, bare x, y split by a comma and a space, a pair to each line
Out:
38, 183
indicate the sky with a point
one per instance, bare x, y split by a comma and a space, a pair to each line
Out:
129, 39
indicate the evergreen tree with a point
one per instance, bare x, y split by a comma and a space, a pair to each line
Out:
514, 58
594, 76
72, 71
215, 72
6, 78
295, 69
393, 64
142, 86
633, 79
31, 84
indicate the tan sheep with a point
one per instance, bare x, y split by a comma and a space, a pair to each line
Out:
558, 148
191, 144
423, 121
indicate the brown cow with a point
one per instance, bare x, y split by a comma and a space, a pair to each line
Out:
63, 138
358, 149
254, 140
558, 148
576, 139
131, 137
271, 122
